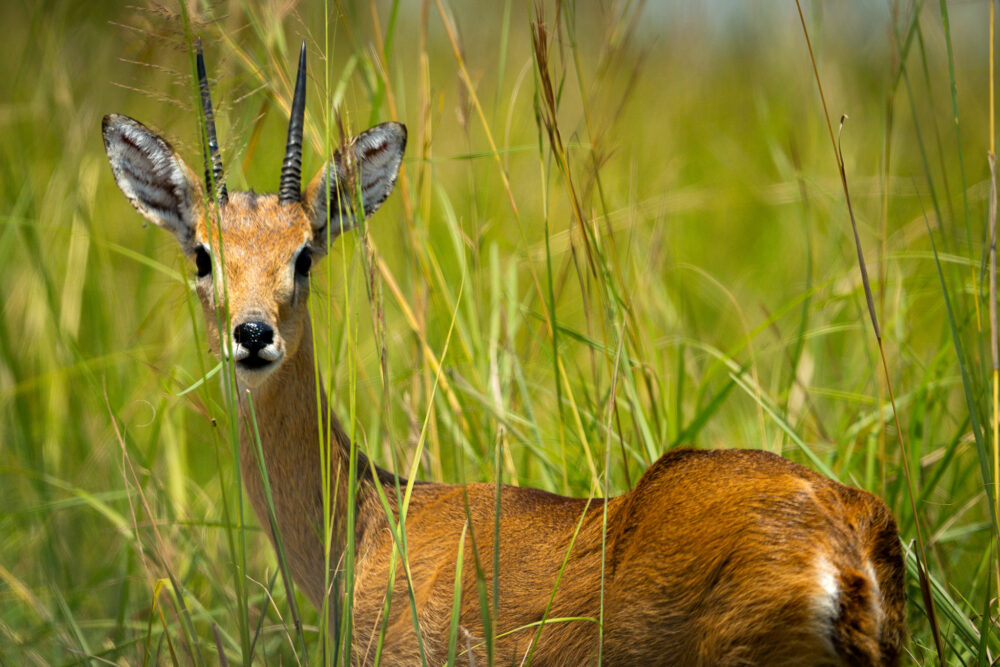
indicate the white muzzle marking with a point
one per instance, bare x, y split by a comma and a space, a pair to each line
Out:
269, 352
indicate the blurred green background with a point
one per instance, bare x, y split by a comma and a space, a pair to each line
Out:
701, 160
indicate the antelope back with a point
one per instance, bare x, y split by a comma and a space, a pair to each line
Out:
262, 244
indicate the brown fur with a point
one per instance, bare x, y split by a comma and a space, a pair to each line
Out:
714, 558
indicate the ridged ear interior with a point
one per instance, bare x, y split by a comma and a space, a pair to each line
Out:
153, 177
367, 167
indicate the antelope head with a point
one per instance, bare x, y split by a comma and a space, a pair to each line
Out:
260, 247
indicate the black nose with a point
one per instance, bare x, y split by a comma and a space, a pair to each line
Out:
254, 336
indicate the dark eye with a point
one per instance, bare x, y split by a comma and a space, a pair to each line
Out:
203, 261
303, 263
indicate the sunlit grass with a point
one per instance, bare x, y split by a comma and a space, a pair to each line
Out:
650, 249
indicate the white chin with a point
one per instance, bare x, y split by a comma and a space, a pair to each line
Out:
251, 378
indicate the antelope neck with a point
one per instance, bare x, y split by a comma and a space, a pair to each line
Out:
287, 419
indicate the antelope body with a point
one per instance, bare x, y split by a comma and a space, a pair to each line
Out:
715, 557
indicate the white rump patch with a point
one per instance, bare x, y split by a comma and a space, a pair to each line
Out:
877, 597
829, 590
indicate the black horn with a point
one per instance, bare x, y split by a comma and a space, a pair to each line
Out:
213, 160
291, 169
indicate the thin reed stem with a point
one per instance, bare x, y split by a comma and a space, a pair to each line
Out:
839, 156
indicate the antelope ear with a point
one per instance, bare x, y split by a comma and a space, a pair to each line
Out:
154, 179
365, 171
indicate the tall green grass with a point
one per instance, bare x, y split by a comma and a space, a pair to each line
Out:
619, 229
